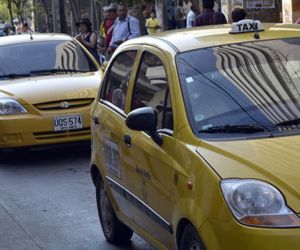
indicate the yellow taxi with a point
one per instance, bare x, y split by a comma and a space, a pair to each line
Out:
196, 137
48, 83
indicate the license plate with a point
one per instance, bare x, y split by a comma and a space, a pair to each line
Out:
69, 122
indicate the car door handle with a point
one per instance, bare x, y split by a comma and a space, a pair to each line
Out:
96, 121
127, 140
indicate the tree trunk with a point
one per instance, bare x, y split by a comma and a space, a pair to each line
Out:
62, 17
161, 10
48, 28
9, 6
75, 10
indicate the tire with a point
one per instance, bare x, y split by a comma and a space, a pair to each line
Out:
115, 232
190, 239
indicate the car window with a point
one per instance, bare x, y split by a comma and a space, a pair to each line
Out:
255, 84
152, 90
117, 79
29, 57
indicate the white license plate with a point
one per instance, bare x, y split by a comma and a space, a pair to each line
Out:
69, 122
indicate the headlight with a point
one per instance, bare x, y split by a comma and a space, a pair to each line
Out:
257, 203
11, 107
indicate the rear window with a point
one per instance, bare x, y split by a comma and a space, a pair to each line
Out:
239, 88
42, 56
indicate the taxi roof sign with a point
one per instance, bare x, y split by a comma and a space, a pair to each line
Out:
245, 26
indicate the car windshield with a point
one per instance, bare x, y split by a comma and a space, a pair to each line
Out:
49, 57
247, 89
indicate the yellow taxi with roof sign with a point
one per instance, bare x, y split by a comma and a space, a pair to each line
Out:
196, 136
48, 83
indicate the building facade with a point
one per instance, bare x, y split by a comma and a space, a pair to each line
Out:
61, 15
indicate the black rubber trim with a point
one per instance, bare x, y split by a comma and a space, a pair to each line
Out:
139, 204
113, 107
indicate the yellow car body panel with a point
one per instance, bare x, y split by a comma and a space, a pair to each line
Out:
42, 96
186, 186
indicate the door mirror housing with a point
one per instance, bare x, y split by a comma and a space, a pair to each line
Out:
144, 119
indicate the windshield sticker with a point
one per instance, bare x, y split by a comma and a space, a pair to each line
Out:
199, 117
112, 158
189, 79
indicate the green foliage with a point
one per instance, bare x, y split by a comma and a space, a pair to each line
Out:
4, 14
19, 8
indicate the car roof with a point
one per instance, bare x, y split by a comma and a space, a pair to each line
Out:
15, 39
208, 36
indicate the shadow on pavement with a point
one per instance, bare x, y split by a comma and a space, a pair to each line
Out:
50, 193
39, 156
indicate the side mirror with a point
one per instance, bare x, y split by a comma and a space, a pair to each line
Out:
144, 119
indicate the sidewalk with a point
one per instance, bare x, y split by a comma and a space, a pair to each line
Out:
12, 234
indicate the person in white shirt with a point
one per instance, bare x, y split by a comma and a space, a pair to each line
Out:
191, 17
18, 26
186, 6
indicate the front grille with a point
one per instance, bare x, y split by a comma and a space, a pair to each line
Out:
61, 134
64, 104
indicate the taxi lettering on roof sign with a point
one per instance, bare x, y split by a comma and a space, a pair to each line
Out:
247, 25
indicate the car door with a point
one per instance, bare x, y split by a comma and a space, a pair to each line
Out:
153, 163
109, 120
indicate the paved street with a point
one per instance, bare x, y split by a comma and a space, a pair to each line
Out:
47, 202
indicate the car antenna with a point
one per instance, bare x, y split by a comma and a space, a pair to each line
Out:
256, 33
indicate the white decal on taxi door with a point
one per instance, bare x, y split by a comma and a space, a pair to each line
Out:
112, 158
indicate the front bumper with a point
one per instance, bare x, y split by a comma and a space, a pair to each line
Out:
38, 129
233, 236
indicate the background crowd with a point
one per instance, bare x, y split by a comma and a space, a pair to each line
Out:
119, 26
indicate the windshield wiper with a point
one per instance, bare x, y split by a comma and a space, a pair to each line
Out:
41, 72
247, 128
289, 122
55, 71
12, 76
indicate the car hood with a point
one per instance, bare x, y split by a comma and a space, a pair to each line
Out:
41, 89
275, 160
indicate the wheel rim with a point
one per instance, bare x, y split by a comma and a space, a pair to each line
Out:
194, 245
106, 211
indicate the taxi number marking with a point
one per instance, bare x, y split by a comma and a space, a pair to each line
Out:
112, 158
70, 122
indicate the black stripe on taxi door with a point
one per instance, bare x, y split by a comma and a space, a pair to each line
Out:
139, 204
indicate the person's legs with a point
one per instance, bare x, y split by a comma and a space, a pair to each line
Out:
182, 24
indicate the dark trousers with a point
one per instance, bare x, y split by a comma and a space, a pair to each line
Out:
181, 24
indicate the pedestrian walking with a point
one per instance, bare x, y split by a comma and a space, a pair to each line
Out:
209, 16
187, 4
25, 28
146, 15
171, 14
180, 18
238, 14
107, 26
126, 27
17, 26
191, 16
87, 37
152, 24
7, 30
